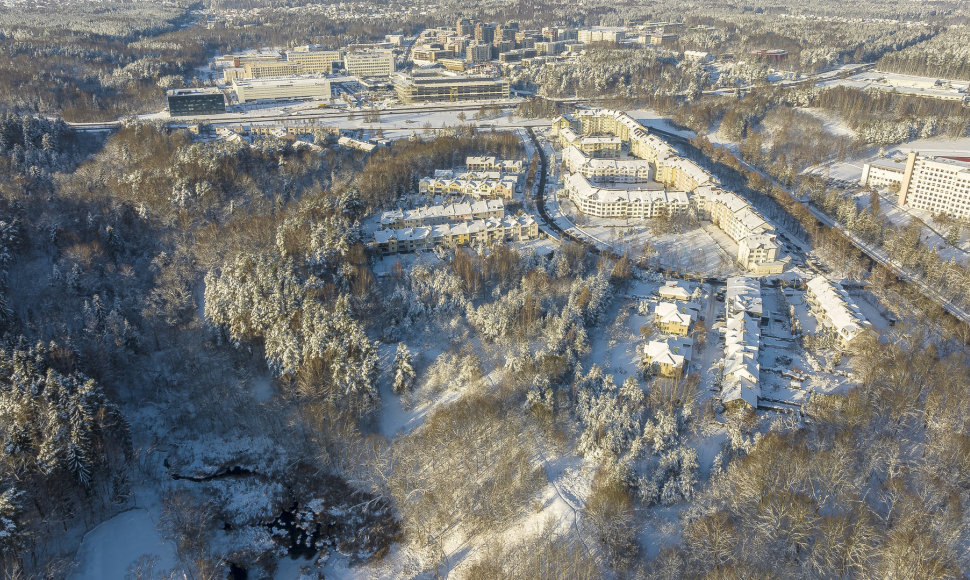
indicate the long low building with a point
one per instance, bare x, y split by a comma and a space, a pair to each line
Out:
623, 203
836, 310
485, 232
421, 86
184, 102
248, 90
439, 214
740, 386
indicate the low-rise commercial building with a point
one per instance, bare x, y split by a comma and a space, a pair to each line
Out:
248, 90
435, 86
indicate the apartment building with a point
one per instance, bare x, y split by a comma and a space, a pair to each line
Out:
671, 318
937, 184
594, 146
607, 170
477, 184
670, 357
370, 63
836, 310
623, 203
491, 163
478, 52
440, 214
485, 232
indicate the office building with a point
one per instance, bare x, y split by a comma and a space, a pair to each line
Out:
883, 173
185, 102
248, 90
314, 61
434, 86
370, 63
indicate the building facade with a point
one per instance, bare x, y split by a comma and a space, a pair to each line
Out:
940, 185
419, 87
185, 102
248, 90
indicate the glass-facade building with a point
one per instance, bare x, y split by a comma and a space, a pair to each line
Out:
185, 102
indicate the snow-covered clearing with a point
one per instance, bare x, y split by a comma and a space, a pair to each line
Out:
122, 543
834, 124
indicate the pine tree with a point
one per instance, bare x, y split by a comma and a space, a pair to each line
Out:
403, 370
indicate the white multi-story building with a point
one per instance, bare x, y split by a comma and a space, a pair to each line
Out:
314, 60
607, 170
369, 63
883, 173
281, 88
937, 184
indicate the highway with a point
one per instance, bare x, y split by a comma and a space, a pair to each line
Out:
297, 116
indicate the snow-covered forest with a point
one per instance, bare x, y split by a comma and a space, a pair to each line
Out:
206, 372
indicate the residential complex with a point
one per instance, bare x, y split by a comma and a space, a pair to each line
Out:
437, 86
742, 343
477, 184
281, 88
680, 184
512, 166
836, 310
671, 318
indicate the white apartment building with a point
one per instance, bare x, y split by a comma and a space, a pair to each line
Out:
623, 203
490, 163
248, 90
369, 63
607, 170
937, 184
